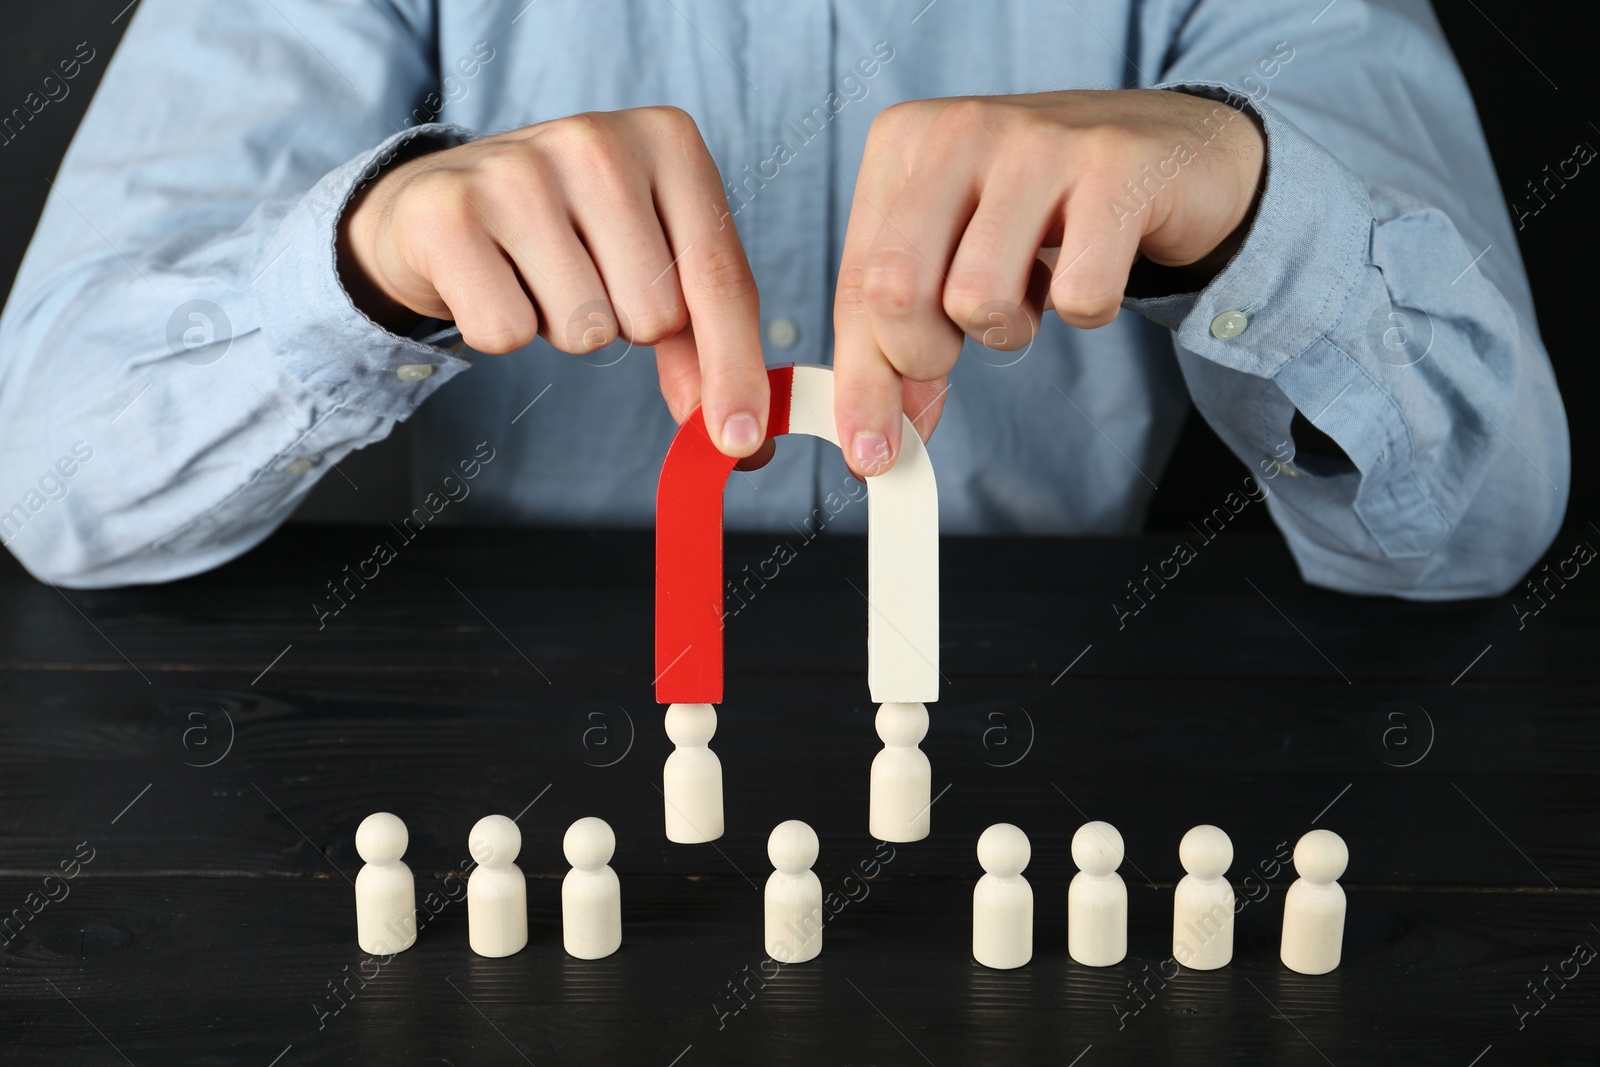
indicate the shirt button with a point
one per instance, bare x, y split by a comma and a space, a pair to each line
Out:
1228, 325
299, 466
413, 372
783, 333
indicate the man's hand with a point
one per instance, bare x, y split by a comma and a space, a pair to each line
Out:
578, 229
958, 198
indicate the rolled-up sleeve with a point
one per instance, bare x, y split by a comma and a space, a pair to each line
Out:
178, 330
1380, 294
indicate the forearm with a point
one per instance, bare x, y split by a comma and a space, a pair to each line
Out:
214, 379
1378, 296
1361, 312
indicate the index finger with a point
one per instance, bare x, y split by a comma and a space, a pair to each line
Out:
720, 294
866, 387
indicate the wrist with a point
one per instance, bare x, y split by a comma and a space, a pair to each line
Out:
356, 242
368, 297
1247, 151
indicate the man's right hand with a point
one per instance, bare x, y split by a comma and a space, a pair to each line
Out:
579, 230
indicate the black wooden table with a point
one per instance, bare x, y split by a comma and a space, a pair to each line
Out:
182, 770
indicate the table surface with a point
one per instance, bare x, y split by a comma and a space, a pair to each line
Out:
182, 770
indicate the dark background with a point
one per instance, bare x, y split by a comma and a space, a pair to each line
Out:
1525, 63
220, 889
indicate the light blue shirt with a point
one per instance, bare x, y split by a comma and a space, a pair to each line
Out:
179, 362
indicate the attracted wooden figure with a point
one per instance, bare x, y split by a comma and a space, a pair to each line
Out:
691, 782
902, 778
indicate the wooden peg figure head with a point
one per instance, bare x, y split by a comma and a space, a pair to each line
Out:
901, 724
691, 724
1206, 852
1097, 848
381, 838
793, 847
1321, 856
589, 844
1003, 850
495, 841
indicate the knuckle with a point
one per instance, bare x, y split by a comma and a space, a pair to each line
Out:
508, 183
498, 160
669, 118
1109, 147
849, 296
581, 128
925, 362
890, 124
965, 293
965, 116
967, 121
588, 141
1086, 310
849, 306
673, 130
506, 175
656, 322
591, 325
893, 284
724, 274
1001, 325
498, 338
436, 203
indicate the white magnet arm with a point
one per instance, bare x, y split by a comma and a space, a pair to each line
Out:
902, 551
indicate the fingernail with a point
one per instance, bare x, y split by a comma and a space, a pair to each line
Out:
871, 451
741, 432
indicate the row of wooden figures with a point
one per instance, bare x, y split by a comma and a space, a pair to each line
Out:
497, 892
1002, 902
1202, 907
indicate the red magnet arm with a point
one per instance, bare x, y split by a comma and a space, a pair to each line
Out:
689, 597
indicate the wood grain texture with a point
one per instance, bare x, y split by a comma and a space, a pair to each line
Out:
242, 970
216, 749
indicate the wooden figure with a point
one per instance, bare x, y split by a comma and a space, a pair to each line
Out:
591, 897
1313, 910
1202, 906
386, 895
497, 894
691, 782
1097, 901
794, 894
1002, 902
902, 777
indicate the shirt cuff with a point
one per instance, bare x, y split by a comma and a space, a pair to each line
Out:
1306, 248
309, 320
1277, 312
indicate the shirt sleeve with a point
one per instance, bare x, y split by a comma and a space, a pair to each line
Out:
1380, 293
178, 359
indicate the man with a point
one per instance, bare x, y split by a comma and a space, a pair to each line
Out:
261, 237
